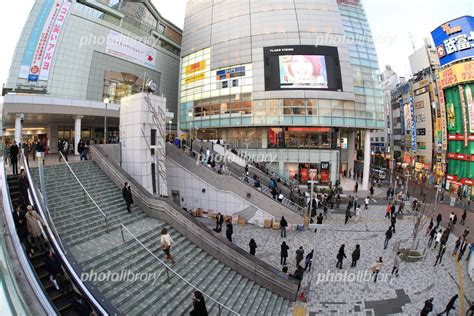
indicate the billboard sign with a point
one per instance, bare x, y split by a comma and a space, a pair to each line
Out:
302, 67
129, 49
454, 40
413, 124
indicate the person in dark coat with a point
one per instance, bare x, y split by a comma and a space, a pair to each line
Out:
355, 256
319, 219
81, 306
283, 225
308, 260
450, 305
130, 195
126, 196
53, 266
388, 236
299, 255
393, 221
230, 230
340, 256
283, 253
219, 222
14, 150
24, 186
253, 246
199, 305
427, 308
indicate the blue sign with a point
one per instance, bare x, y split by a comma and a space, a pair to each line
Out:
230, 73
33, 39
32, 77
454, 40
413, 125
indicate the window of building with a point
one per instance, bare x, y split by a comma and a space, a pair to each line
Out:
161, 28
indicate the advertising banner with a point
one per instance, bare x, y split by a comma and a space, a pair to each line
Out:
456, 74
33, 38
470, 108
199, 66
454, 40
442, 109
42, 41
413, 125
129, 49
303, 71
53, 41
402, 122
464, 115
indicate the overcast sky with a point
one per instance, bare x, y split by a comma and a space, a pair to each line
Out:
395, 25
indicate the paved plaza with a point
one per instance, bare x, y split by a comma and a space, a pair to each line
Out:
350, 291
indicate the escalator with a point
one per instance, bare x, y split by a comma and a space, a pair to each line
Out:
62, 298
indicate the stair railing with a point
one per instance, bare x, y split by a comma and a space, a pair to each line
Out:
169, 269
87, 193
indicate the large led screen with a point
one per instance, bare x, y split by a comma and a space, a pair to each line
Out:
302, 67
302, 71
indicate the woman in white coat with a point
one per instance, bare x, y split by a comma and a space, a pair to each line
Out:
166, 242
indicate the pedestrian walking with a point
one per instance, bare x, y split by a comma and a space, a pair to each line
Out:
299, 255
450, 305
366, 203
199, 305
65, 149
308, 261
396, 264
376, 267
462, 249
429, 228
229, 230
393, 221
438, 238
388, 236
388, 210
432, 236
465, 233
456, 246
439, 256
283, 253
126, 196
340, 256
463, 217
283, 225
371, 191
253, 246
219, 222
439, 218
427, 308
34, 228
356, 187
355, 256
165, 243
348, 215
319, 219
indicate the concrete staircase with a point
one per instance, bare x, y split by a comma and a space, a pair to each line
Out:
78, 222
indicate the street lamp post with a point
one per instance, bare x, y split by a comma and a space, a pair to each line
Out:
170, 130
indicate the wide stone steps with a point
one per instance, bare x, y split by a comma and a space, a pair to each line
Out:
78, 220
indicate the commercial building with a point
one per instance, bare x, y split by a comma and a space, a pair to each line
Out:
294, 79
454, 41
73, 55
382, 141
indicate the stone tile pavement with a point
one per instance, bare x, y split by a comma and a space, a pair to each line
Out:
336, 294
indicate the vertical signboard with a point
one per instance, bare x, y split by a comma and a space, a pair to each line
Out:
464, 115
413, 125
53, 41
442, 109
470, 108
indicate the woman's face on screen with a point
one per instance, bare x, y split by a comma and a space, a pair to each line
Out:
301, 67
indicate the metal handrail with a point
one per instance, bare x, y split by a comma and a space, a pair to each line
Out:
24, 261
299, 209
225, 191
61, 253
50, 219
145, 199
90, 197
168, 268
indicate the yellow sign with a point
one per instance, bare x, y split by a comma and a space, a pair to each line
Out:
196, 77
456, 74
199, 66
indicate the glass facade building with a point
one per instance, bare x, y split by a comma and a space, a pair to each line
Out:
281, 77
73, 55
